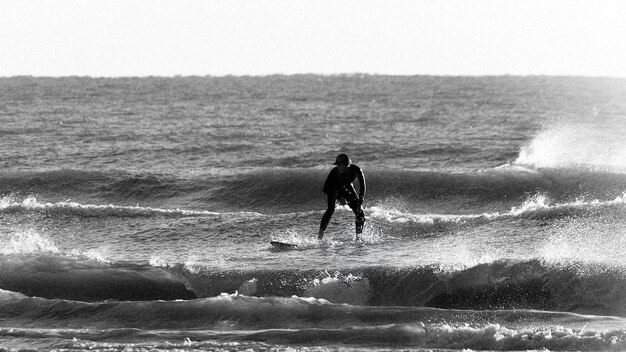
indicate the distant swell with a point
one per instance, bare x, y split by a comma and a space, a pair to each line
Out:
96, 187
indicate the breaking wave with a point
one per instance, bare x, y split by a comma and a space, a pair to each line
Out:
268, 189
544, 284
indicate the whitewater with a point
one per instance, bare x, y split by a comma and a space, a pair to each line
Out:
137, 214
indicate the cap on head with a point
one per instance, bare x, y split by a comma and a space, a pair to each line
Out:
342, 159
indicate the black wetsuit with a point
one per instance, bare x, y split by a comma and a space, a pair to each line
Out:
340, 186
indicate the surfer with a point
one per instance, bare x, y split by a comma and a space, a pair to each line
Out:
338, 187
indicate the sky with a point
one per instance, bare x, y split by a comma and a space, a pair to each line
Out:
262, 37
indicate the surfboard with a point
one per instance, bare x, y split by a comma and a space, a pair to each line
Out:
283, 246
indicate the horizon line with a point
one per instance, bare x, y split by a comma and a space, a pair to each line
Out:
340, 74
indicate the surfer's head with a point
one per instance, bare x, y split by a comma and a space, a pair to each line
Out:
342, 159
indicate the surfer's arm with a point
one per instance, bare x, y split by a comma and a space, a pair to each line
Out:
362, 187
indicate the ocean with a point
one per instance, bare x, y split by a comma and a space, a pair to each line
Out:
137, 213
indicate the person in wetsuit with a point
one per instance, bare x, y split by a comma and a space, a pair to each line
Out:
338, 186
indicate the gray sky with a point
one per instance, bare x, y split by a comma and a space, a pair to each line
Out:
258, 37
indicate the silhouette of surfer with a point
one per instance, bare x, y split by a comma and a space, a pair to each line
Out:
339, 187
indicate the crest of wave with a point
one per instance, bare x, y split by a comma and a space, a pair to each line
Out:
592, 145
27, 242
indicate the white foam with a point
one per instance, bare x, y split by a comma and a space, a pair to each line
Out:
98, 254
535, 204
31, 204
540, 203
337, 288
10, 295
28, 242
159, 262
593, 146
395, 216
299, 238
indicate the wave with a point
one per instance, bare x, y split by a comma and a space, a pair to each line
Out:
206, 322
410, 337
294, 189
117, 186
506, 284
571, 144
53, 275
508, 184
384, 218
30, 204
537, 207
534, 284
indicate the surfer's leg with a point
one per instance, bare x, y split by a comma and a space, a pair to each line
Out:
327, 215
359, 216
359, 221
